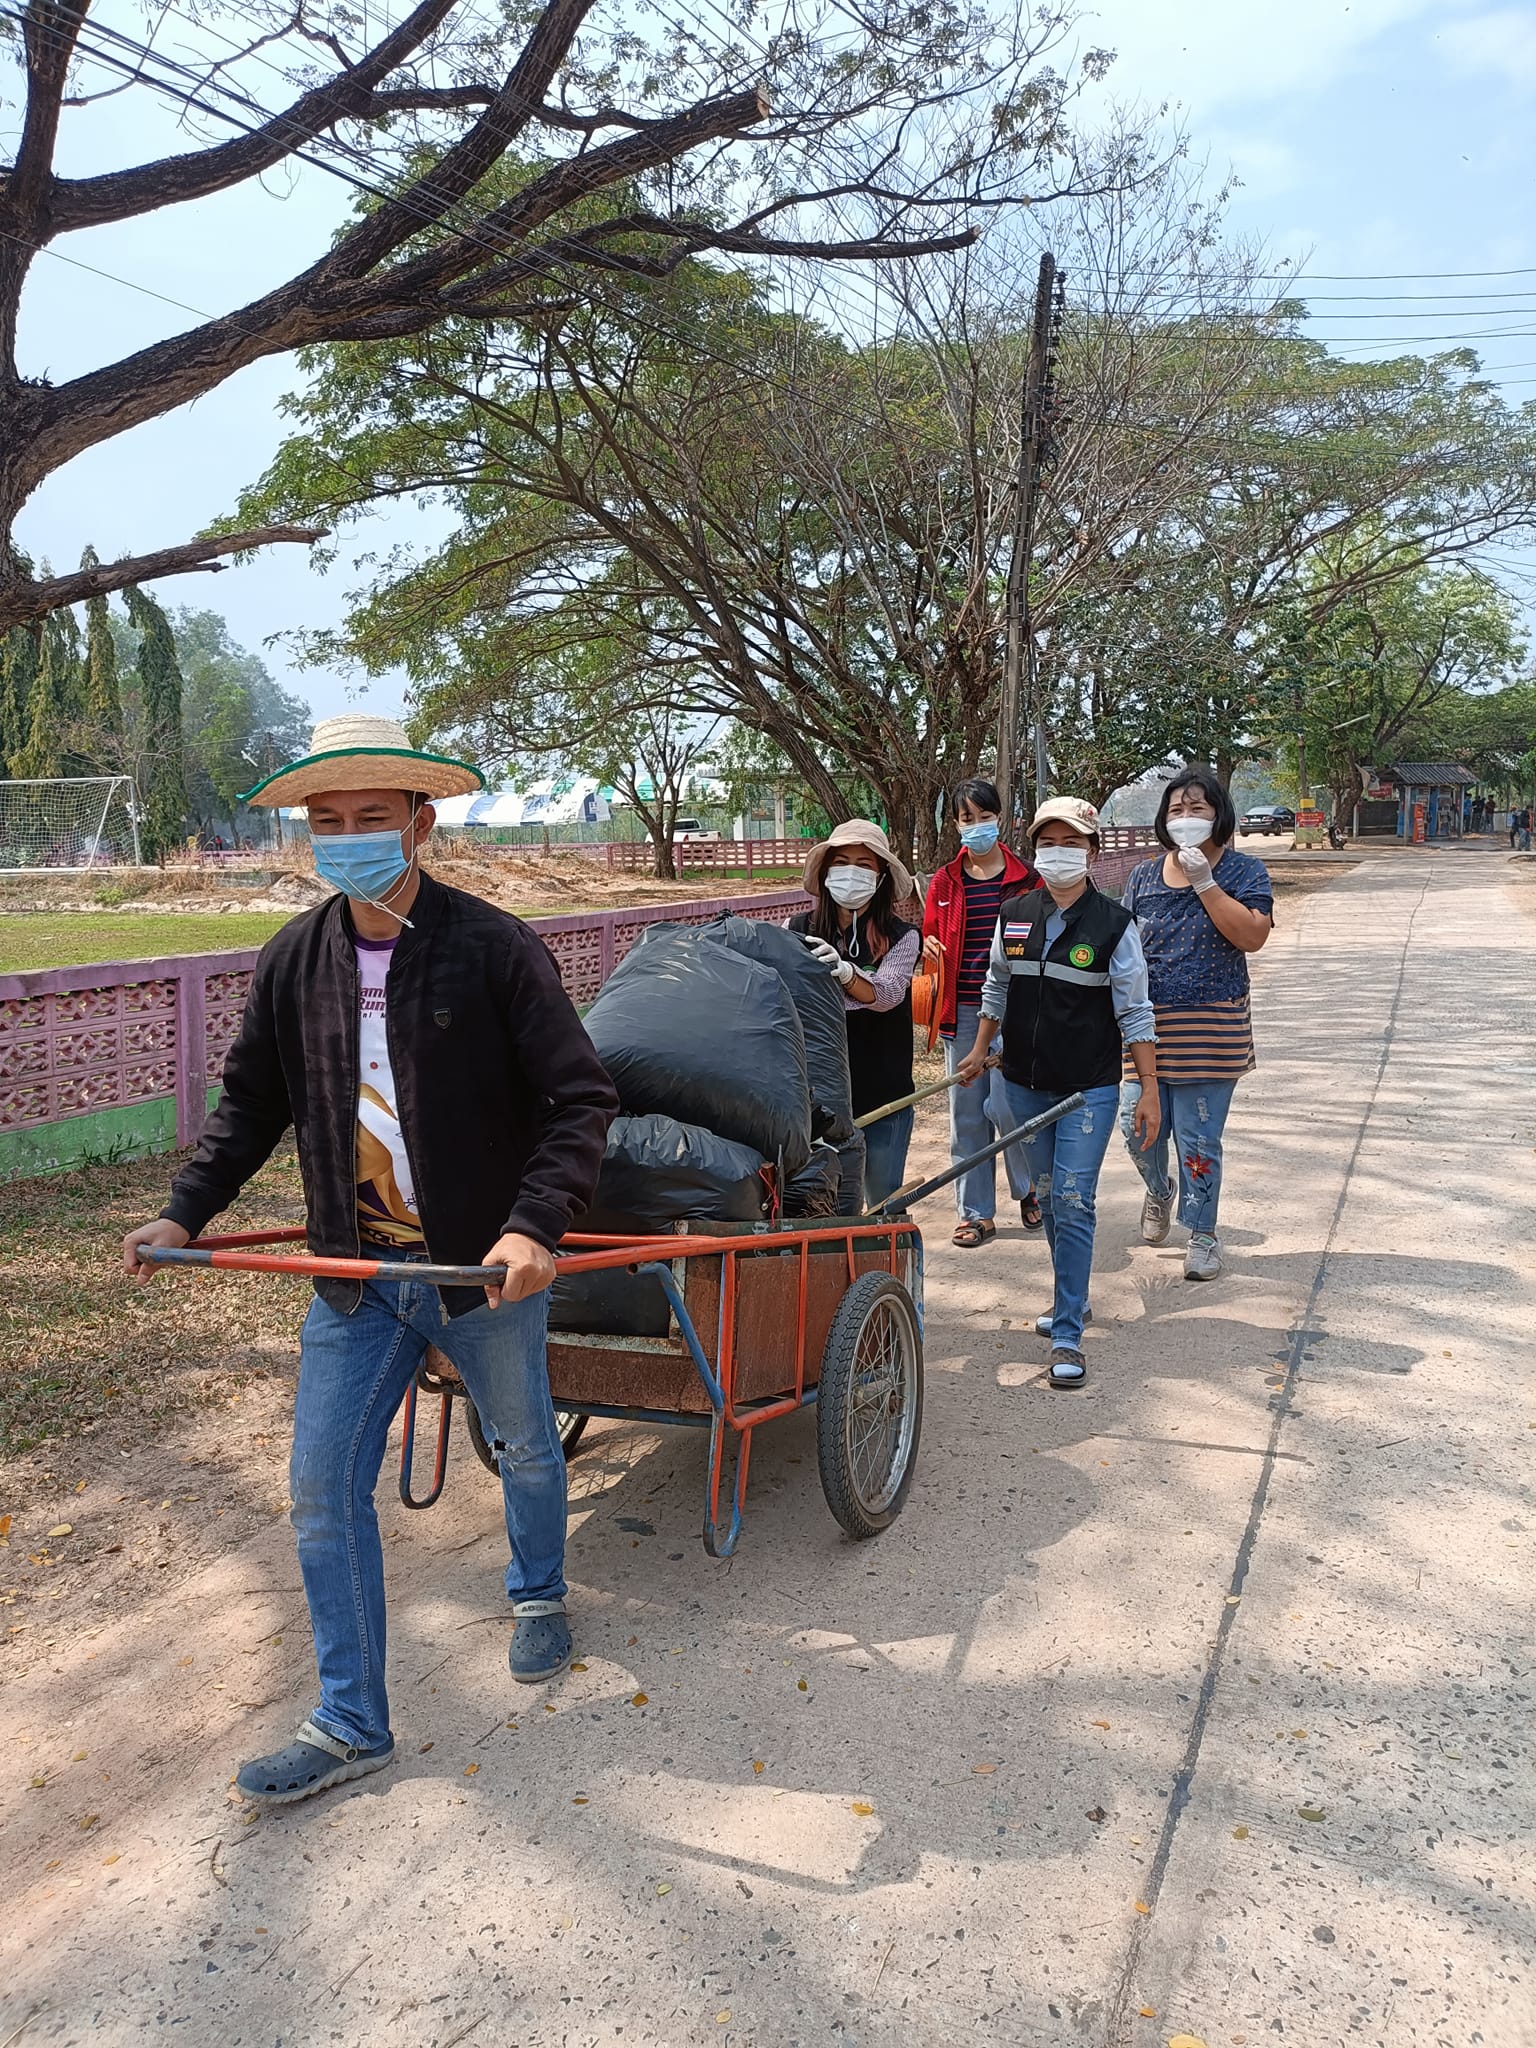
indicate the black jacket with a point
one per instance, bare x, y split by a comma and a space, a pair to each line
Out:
1059, 1027
503, 1102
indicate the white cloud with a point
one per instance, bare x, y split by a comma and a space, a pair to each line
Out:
1503, 42
1223, 53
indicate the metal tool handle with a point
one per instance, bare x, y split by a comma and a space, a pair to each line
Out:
873, 1116
925, 1188
315, 1267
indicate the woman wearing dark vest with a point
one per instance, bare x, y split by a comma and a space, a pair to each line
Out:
857, 882
1067, 984
959, 919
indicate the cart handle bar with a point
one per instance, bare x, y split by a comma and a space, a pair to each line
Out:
924, 1188
636, 1251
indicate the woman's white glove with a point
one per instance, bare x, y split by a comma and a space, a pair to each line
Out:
1194, 863
830, 958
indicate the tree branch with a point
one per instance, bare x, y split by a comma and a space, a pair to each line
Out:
119, 195
24, 600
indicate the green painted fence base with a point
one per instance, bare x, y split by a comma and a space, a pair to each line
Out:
102, 1137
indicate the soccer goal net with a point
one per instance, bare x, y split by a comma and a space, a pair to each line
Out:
83, 821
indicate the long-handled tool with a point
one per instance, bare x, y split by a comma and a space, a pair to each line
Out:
919, 1190
873, 1116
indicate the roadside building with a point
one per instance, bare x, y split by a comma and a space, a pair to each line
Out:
1431, 799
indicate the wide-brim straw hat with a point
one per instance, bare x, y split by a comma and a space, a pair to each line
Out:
357, 752
857, 832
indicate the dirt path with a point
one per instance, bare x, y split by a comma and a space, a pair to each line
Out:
1197, 1704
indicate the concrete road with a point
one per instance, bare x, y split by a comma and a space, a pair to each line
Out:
1198, 1704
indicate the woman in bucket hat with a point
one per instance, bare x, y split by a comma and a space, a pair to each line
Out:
444, 1099
857, 882
1067, 985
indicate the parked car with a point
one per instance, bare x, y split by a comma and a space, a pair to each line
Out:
690, 828
1268, 818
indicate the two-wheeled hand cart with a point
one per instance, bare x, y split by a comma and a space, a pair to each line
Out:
757, 1322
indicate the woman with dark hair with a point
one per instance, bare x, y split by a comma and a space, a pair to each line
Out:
1201, 909
959, 919
857, 882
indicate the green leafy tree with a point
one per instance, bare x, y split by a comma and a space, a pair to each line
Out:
163, 792
18, 674
103, 709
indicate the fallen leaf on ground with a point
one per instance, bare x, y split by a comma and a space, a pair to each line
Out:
1239, 1834
79, 1756
1312, 1812
80, 1488
470, 1770
108, 1861
803, 1686
89, 1820
1185, 2041
61, 1529
581, 1800
5, 1528
1147, 2012
1100, 1724
1234, 1599
1097, 1814
662, 1890
641, 1699
758, 1768
862, 1808
722, 2017
1141, 1908
424, 1748
578, 1667
632, 1642
982, 1770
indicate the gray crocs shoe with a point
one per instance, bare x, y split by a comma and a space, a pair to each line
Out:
313, 1762
541, 1641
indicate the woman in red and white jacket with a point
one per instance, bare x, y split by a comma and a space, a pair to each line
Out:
959, 919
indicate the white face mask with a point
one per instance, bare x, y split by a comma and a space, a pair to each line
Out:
1189, 831
1061, 865
851, 887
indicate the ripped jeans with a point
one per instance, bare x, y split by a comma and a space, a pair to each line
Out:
1065, 1159
1194, 1117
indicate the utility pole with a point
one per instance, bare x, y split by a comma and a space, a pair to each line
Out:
1020, 691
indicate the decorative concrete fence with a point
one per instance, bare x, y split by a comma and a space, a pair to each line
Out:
115, 1062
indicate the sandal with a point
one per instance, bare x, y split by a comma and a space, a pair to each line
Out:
313, 1762
1067, 1367
970, 1234
1029, 1212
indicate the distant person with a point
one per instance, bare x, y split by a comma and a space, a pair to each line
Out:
441, 1089
959, 919
1067, 985
857, 882
1201, 910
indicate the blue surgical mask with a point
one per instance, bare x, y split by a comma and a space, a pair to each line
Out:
363, 865
979, 838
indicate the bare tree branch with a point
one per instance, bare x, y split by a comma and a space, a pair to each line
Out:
22, 600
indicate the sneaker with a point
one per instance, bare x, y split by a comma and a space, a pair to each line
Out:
1156, 1217
1043, 1323
541, 1641
1068, 1367
313, 1762
1202, 1259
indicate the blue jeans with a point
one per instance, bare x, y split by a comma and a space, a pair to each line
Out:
1194, 1117
353, 1374
1065, 1158
885, 1156
975, 1119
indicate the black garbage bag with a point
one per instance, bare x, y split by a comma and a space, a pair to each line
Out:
818, 998
813, 1191
655, 1172
690, 1029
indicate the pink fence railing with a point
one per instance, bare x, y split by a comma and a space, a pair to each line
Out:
706, 856
78, 1039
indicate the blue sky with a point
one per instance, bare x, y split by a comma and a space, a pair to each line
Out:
1382, 136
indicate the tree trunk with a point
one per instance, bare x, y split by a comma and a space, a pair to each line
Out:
661, 842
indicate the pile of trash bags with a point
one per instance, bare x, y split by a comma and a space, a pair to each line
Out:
728, 1047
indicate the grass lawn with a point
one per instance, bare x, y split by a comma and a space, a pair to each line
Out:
79, 1344
79, 938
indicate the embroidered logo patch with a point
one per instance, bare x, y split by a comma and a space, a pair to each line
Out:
1081, 956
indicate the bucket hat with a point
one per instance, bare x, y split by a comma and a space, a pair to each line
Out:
857, 832
359, 752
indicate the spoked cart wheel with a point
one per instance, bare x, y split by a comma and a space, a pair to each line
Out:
869, 1411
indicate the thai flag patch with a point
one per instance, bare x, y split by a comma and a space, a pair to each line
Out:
1015, 934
